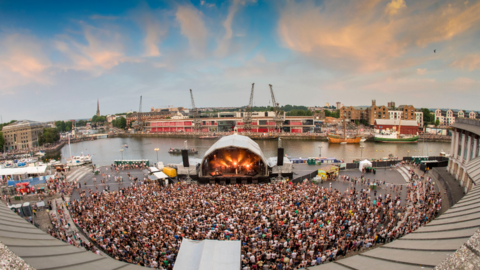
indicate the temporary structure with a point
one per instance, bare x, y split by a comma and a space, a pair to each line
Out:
364, 163
208, 255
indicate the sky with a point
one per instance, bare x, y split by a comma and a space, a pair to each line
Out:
58, 57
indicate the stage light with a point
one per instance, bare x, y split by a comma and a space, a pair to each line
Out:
234, 163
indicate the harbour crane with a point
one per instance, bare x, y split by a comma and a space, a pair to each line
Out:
247, 116
279, 117
195, 114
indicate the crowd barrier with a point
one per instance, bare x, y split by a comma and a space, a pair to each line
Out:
31, 181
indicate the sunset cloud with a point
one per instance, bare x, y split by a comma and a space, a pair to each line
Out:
22, 61
193, 27
395, 6
469, 62
349, 34
103, 50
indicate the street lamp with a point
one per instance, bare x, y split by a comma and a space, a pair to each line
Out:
156, 150
320, 147
361, 151
121, 151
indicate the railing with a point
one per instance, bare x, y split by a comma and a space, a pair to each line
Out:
469, 121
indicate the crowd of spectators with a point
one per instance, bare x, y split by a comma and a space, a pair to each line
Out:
280, 225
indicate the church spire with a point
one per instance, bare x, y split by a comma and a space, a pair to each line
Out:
98, 108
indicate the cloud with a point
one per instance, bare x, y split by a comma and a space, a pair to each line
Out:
225, 42
421, 71
154, 30
469, 62
395, 6
463, 80
193, 27
23, 60
363, 36
103, 50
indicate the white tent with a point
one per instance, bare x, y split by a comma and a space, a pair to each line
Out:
208, 255
160, 175
364, 163
153, 169
24, 170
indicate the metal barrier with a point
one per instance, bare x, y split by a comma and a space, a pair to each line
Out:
31, 181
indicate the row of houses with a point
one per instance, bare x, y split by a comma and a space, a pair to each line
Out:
374, 112
448, 117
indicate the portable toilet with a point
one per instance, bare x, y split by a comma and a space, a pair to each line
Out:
27, 209
160, 166
18, 210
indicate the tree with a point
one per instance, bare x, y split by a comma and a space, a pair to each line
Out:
49, 135
68, 126
81, 123
428, 116
60, 125
120, 122
437, 122
2, 141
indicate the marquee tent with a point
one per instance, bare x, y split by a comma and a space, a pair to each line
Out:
208, 255
364, 163
160, 175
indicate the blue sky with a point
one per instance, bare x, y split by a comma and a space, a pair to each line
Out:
58, 57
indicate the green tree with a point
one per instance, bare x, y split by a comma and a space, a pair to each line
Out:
60, 125
2, 141
81, 123
428, 116
68, 126
437, 122
120, 122
49, 135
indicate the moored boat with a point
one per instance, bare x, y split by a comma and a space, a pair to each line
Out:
191, 151
394, 136
209, 137
333, 138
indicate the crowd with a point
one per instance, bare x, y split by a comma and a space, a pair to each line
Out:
280, 226
61, 230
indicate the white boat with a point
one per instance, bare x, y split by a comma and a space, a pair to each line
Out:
363, 139
40, 153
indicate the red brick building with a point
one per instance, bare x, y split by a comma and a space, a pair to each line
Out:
406, 126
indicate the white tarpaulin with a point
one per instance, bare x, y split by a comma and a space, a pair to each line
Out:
24, 170
364, 163
208, 255
160, 175
152, 169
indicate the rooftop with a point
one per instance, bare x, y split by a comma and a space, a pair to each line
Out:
22, 124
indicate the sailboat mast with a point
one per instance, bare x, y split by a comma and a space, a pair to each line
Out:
69, 148
399, 127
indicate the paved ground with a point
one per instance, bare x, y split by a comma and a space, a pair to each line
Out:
86, 179
391, 176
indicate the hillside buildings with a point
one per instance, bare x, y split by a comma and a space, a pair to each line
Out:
448, 117
374, 112
22, 135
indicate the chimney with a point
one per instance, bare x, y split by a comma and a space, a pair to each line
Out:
374, 102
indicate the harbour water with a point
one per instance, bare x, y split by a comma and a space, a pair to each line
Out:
105, 151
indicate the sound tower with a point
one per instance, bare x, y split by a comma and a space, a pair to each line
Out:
280, 157
185, 158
